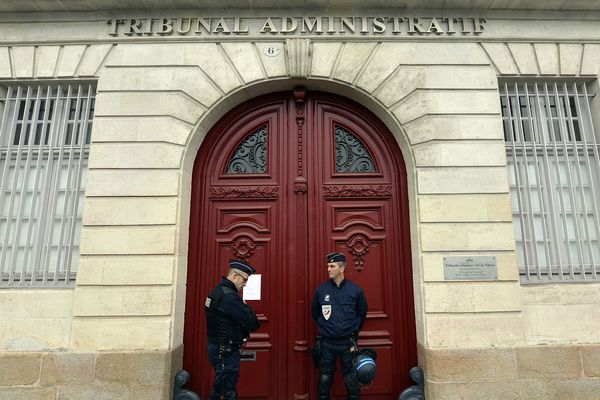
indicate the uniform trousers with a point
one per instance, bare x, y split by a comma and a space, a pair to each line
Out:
227, 371
330, 351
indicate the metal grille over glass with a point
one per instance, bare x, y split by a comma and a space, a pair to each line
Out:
251, 156
350, 154
44, 144
554, 177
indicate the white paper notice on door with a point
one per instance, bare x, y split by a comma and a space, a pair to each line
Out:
252, 288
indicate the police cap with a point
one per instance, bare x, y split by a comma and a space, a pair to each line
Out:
335, 257
242, 266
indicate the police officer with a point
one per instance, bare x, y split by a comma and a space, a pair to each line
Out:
229, 322
339, 308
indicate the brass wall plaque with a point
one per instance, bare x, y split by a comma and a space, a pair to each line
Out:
477, 268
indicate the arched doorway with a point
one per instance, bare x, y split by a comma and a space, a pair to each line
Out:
281, 181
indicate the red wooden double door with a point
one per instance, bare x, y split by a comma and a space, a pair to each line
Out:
281, 181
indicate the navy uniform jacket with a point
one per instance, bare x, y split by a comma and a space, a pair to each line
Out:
232, 319
348, 306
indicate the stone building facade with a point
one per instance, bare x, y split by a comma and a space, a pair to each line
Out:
434, 77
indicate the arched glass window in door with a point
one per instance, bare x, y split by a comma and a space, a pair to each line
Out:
351, 155
250, 157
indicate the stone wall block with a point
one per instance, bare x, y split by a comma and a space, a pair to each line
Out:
462, 180
162, 79
274, 66
145, 54
35, 334
67, 368
388, 56
550, 362
46, 58
590, 64
513, 390
136, 155
472, 297
422, 102
69, 60
5, 67
575, 323
547, 56
132, 183
465, 208
447, 53
458, 154
501, 57
580, 389
570, 58
146, 368
18, 369
351, 60
174, 104
483, 365
93, 58
525, 58
22, 61
474, 331
96, 391
144, 129
28, 393
128, 240
467, 236
244, 59
431, 127
125, 270
131, 211
213, 63
403, 82
324, 57
590, 356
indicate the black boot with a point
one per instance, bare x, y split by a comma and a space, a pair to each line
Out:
352, 388
324, 386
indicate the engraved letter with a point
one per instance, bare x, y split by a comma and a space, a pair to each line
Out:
204, 23
285, 28
114, 23
435, 25
479, 24
378, 25
396, 21
222, 26
134, 27
165, 26
348, 24
237, 26
451, 22
308, 26
180, 23
268, 25
414, 25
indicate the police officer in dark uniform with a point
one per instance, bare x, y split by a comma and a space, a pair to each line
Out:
339, 308
229, 322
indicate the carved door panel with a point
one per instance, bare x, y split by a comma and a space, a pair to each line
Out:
360, 200
280, 181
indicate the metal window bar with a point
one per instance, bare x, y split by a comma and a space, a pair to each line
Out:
44, 147
554, 162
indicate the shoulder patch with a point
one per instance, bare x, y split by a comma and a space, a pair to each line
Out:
207, 302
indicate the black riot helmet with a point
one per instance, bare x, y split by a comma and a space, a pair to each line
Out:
364, 366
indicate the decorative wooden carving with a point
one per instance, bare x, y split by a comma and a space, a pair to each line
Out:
244, 192
300, 184
358, 245
358, 191
243, 247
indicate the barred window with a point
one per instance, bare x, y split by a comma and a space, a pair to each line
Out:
45, 134
554, 176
